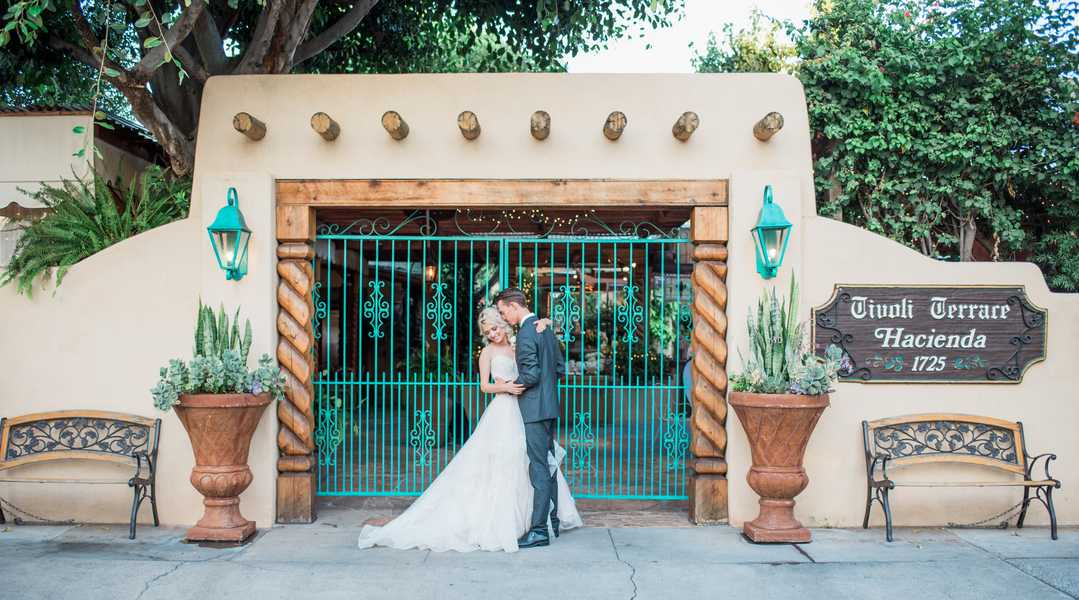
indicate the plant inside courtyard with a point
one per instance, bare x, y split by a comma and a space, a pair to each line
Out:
219, 365
84, 218
781, 360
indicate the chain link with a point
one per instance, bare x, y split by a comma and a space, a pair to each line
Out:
1003, 524
39, 520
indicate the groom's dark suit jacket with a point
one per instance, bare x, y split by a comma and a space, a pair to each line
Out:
539, 367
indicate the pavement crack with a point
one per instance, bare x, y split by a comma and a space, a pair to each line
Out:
633, 571
804, 553
151, 582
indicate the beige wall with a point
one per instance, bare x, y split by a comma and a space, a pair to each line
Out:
39, 148
36, 149
123, 313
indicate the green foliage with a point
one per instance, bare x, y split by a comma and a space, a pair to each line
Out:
780, 358
85, 218
1058, 256
219, 365
941, 124
755, 50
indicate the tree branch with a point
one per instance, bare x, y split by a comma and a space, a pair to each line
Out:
334, 32
211, 47
190, 65
260, 39
172, 37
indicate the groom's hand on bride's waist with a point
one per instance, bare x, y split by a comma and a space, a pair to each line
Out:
510, 387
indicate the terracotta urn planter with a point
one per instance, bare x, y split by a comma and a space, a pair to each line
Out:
220, 427
778, 427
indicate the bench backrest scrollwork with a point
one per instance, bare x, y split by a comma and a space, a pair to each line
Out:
971, 439
97, 435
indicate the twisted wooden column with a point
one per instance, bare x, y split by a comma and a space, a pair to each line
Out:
708, 482
296, 484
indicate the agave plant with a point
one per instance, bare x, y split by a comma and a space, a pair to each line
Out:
85, 218
780, 358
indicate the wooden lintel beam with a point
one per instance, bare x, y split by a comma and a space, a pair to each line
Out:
474, 193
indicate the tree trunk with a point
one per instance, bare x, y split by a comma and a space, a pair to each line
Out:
968, 231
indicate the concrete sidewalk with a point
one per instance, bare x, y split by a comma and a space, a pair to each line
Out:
322, 561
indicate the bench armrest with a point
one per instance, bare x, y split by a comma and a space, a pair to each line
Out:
139, 458
1034, 460
883, 460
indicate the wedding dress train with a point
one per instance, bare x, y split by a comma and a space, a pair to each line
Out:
482, 500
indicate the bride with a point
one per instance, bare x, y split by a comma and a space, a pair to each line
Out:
482, 500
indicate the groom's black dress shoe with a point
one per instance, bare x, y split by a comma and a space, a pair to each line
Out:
533, 540
554, 528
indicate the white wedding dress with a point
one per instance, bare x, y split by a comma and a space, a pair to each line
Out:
483, 498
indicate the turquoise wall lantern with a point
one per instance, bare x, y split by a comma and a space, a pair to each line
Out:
770, 236
230, 235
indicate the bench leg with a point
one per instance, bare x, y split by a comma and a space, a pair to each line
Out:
868, 506
153, 503
1023, 513
140, 493
887, 513
1052, 511
2, 519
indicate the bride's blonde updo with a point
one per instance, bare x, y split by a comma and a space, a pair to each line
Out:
491, 316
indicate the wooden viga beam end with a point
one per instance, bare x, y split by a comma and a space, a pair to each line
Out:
469, 124
540, 125
768, 126
395, 125
616, 123
249, 126
685, 125
325, 126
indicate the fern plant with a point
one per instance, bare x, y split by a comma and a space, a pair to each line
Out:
780, 358
85, 218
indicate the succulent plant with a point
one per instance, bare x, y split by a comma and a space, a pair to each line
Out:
780, 358
219, 365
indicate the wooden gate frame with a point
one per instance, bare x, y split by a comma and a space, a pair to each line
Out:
297, 201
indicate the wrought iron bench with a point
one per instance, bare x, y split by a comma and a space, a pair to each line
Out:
84, 435
937, 438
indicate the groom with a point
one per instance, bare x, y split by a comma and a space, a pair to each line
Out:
539, 367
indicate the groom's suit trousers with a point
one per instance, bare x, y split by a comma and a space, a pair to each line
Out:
539, 437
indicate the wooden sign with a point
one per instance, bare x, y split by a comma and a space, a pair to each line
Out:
970, 334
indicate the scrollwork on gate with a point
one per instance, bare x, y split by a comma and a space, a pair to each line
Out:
582, 440
676, 441
567, 311
422, 438
376, 309
439, 310
629, 314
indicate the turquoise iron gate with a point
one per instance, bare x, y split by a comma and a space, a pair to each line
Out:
396, 387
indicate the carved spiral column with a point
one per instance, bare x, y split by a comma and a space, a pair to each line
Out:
708, 482
296, 484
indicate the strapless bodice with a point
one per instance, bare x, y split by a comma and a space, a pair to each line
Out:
504, 368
